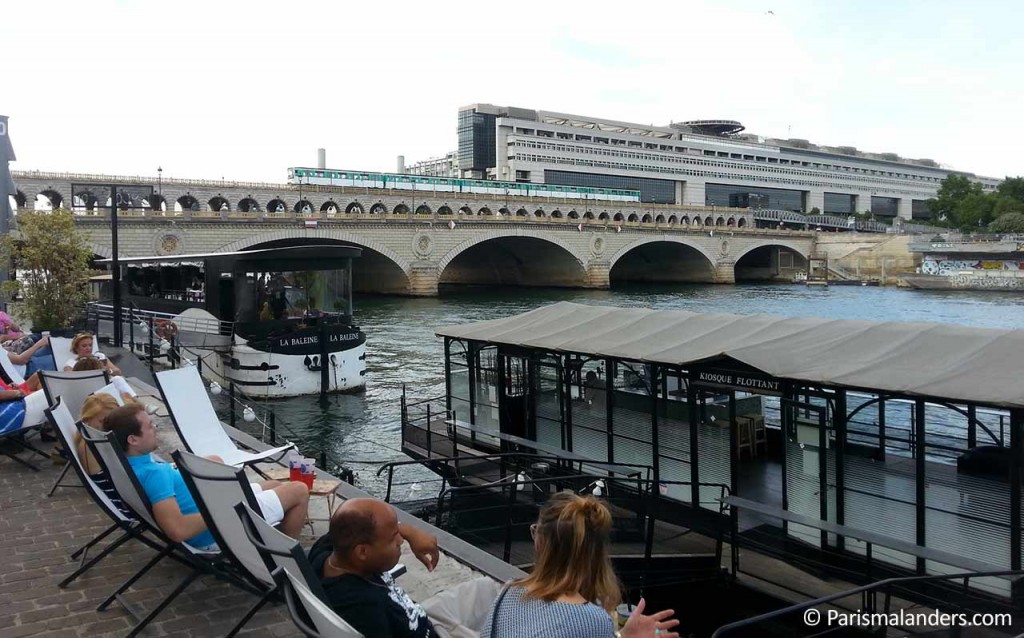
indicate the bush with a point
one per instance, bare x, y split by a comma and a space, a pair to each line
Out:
1008, 223
53, 266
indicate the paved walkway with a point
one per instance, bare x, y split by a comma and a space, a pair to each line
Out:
37, 535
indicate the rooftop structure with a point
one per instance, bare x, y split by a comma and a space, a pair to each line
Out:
696, 162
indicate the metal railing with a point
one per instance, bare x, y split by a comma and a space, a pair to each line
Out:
869, 594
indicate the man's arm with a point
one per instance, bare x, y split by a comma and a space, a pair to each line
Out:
422, 543
178, 527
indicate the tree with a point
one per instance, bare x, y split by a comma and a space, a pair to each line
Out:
1012, 188
947, 205
1008, 223
53, 264
814, 211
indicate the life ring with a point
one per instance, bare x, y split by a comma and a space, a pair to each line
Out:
166, 329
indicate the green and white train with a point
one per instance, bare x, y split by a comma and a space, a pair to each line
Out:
399, 181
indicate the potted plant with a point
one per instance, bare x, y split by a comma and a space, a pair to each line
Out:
52, 262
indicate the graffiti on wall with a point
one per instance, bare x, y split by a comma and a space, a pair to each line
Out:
953, 266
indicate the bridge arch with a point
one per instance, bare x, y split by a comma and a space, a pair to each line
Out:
218, 204
466, 210
304, 207
771, 259
662, 259
539, 213
277, 205
186, 202
423, 209
444, 210
154, 202
18, 199
484, 211
603, 217
522, 257
521, 212
380, 269
401, 209
248, 205
49, 199
377, 209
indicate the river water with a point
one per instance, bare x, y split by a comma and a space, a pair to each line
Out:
362, 431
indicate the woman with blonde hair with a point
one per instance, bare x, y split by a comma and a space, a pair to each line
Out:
572, 591
94, 411
81, 347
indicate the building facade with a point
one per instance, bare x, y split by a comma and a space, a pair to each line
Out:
701, 163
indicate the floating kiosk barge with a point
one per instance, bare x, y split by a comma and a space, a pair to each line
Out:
966, 264
857, 450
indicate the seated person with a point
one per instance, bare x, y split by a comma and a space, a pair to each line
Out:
94, 411
174, 508
9, 330
19, 408
21, 364
352, 560
81, 346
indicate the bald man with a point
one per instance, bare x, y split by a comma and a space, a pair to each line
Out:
352, 560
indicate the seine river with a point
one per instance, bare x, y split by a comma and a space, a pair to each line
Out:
363, 430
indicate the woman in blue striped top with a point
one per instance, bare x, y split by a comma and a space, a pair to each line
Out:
572, 591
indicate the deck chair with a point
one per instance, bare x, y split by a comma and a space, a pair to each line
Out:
20, 418
72, 388
33, 408
194, 418
14, 372
281, 551
217, 488
61, 348
64, 425
278, 550
312, 616
109, 454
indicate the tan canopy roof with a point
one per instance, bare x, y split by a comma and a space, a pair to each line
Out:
959, 363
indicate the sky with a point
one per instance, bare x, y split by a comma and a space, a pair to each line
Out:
243, 90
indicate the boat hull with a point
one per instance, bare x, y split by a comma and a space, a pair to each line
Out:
276, 366
998, 281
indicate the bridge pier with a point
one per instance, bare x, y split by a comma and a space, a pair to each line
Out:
598, 275
724, 273
423, 278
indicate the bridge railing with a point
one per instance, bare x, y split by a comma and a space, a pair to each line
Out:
405, 218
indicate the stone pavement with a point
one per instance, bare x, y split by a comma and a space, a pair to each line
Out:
37, 535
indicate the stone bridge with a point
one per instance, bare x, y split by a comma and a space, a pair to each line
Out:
412, 247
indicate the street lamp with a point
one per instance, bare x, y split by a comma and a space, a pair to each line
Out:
160, 185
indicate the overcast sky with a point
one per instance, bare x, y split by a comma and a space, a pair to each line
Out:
243, 90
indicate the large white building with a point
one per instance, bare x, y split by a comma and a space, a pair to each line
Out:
708, 162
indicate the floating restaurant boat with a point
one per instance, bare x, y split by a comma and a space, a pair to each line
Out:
857, 450
277, 322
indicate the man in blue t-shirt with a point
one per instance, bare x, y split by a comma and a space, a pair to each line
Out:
179, 517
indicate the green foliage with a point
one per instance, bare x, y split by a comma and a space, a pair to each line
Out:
815, 211
1012, 188
53, 262
961, 203
1008, 223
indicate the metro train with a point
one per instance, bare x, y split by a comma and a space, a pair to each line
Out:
400, 181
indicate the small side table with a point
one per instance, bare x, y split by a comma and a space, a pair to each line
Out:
326, 487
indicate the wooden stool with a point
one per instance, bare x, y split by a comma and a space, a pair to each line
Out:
745, 436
